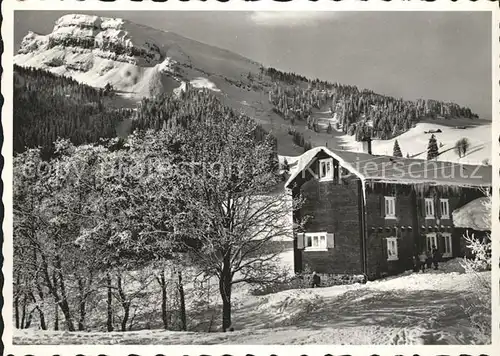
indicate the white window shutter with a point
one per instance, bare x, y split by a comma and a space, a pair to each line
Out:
300, 241
330, 240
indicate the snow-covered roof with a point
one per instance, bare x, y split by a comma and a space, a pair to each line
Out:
474, 215
389, 169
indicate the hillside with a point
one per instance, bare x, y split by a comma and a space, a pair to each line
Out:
141, 61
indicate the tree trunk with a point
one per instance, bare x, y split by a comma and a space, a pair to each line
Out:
54, 292
29, 319
109, 303
82, 302
43, 326
64, 299
125, 304
225, 284
16, 310
126, 314
23, 315
164, 316
182, 301
16, 302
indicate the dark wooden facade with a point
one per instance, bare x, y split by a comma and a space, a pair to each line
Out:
357, 220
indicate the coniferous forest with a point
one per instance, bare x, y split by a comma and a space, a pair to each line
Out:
294, 97
47, 107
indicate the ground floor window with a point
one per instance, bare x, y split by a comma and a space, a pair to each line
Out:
448, 252
315, 241
432, 241
392, 248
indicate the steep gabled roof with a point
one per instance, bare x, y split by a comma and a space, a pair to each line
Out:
400, 170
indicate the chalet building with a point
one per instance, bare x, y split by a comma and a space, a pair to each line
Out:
367, 214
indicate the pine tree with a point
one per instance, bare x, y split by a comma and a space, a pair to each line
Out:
286, 166
432, 148
462, 146
396, 151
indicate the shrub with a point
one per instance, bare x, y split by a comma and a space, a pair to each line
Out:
303, 280
477, 304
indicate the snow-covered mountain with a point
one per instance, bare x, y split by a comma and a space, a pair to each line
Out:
141, 61
135, 59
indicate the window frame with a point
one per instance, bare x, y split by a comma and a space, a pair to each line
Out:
393, 200
389, 241
317, 236
431, 200
447, 239
446, 203
328, 177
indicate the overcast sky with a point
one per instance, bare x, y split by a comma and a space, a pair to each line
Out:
438, 55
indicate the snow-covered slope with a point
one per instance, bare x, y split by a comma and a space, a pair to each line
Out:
136, 59
415, 141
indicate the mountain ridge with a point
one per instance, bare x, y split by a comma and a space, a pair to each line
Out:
141, 61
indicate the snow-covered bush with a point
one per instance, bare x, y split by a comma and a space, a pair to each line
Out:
481, 253
477, 305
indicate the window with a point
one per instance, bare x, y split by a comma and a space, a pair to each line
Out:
326, 169
392, 248
390, 207
429, 208
316, 241
431, 241
445, 209
447, 244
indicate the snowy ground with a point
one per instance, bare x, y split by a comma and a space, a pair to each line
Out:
413, 308
204, 83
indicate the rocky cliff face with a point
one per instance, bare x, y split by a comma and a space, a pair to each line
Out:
100, 50
104, 37
137, 60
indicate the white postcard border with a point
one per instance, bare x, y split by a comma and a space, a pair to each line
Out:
8, 8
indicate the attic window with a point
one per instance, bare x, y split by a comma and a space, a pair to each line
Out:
326, 169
